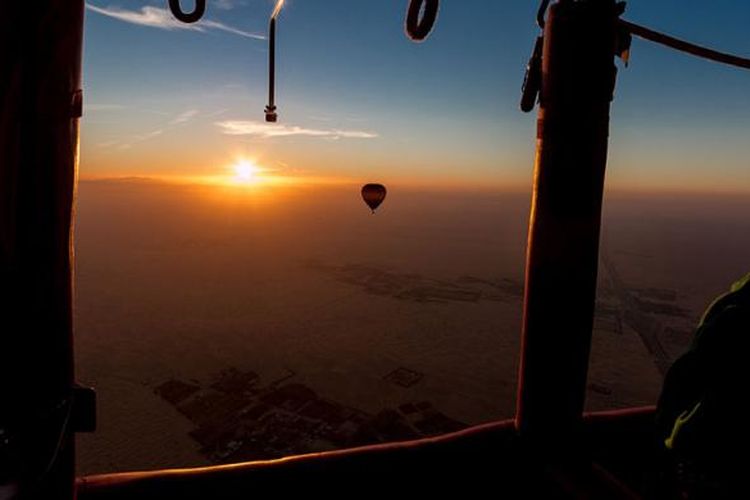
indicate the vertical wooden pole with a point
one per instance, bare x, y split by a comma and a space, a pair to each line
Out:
563, 246
40, 106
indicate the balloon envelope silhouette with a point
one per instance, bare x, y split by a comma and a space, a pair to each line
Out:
373, 194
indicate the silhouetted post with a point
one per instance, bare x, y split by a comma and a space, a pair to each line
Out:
271, 115
40, 105
563, 247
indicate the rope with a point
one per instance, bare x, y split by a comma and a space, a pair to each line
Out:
12, 441
683, 46
418, 29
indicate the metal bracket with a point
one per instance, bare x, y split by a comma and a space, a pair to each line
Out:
83, 412
76, 104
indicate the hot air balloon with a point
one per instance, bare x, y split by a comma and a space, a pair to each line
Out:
373, 194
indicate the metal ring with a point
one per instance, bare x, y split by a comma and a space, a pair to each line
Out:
418, 29
188, 17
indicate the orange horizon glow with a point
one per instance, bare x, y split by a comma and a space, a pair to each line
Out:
242, 175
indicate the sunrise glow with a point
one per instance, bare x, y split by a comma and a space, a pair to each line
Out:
246, 172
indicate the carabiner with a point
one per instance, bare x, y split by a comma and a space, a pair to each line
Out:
188, 17
532, 83
418, 29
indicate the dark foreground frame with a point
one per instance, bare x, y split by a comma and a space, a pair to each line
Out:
550, 450
466, 464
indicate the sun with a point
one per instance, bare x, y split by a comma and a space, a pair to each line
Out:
246, 172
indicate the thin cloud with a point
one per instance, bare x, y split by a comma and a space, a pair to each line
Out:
146, 137
136, 139
263, 130
129, 142
109, 144
155, 17
104, 107
228, 4
184, 117
218, 113
228, 29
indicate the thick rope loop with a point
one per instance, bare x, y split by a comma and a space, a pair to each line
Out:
188, 17
419, 28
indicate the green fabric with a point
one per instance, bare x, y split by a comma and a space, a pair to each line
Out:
679, 423
738, 287
700, 410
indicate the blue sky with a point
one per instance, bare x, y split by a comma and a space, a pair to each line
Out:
358, 100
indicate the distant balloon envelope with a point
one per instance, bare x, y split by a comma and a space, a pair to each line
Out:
373, 194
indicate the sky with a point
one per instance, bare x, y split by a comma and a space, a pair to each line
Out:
358, 101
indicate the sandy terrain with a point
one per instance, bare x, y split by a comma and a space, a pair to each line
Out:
420, 304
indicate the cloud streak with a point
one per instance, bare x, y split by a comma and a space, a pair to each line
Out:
155, 17
266, 131
129, 142
184, 117
104, 107
228, 4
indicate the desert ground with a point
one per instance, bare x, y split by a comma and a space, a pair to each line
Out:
221, 324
